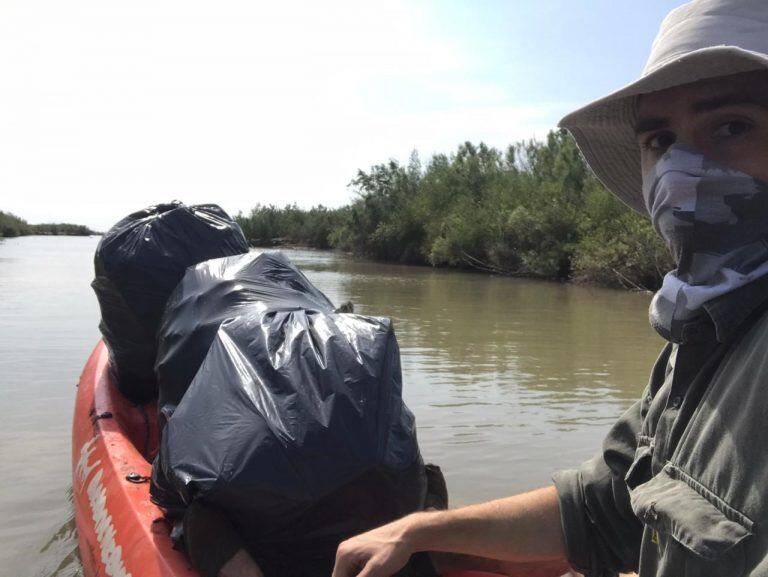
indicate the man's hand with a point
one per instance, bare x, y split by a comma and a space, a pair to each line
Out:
524, 529
381, 552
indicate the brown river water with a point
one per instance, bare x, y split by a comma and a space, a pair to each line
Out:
509, 379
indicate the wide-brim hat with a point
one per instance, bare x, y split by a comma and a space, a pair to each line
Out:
699, 40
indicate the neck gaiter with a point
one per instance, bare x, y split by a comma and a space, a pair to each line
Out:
715, 222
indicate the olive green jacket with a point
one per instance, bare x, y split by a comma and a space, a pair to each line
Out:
681, 485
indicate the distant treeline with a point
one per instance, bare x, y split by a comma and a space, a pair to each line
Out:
531, 210
11, 225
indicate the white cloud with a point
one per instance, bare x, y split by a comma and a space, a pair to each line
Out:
109, 107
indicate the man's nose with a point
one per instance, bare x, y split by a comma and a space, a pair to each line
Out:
694, 137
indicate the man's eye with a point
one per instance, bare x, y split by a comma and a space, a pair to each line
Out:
733, 128
659, 141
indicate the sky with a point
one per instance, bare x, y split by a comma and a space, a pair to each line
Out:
107, 107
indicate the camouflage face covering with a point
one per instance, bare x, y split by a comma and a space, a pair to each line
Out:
715, 222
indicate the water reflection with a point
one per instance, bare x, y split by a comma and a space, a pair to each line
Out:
59, 556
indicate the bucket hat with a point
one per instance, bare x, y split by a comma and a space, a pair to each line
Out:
698, 40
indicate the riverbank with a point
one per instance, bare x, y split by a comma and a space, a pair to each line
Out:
533, 210
279, 244
12, 226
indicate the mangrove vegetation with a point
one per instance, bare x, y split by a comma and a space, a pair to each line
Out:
11, 226
531, 210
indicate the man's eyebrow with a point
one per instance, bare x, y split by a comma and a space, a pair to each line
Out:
706, 105
710, 104
648, 124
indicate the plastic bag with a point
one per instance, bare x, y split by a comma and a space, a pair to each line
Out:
212, 292
295, 427
138, 263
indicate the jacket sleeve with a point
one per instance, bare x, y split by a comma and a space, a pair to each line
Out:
602, 534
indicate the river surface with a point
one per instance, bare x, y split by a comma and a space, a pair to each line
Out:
509, 379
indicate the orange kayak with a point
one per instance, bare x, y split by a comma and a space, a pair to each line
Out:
121, 532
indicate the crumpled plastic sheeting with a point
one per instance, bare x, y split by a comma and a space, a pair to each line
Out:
212, 292
138, 263
295, 426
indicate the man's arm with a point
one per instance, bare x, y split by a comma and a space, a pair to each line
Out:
451, 564
522, 529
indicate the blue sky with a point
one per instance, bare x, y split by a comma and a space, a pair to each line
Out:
110, 107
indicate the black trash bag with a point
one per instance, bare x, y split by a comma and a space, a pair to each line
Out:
212, 292
294, 426
138, 264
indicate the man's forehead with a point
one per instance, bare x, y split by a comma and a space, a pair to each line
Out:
703, 95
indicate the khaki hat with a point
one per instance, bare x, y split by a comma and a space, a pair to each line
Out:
699, 40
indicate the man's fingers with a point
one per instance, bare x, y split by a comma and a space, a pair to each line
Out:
340, 566
378, 553
372, 569
341, 569
345, 567
345, 564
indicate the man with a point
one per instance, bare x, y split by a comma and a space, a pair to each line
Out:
680, 487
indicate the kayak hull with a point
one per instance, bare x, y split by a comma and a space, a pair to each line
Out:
121, 533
